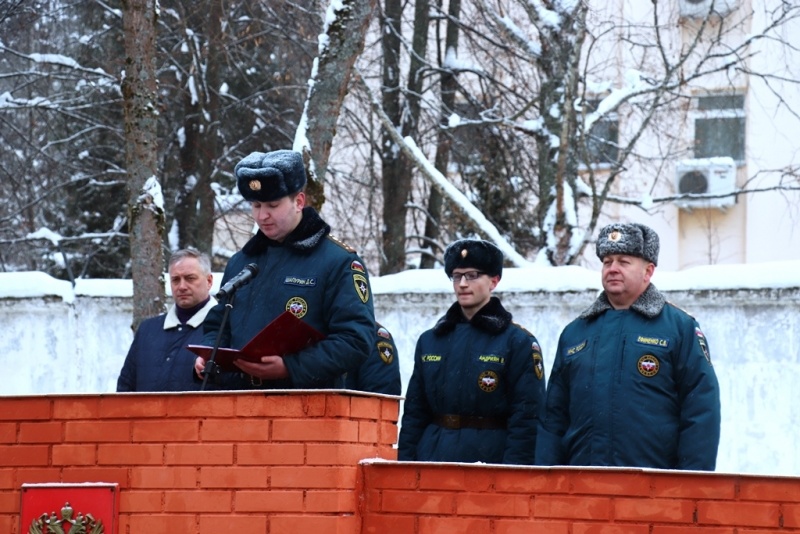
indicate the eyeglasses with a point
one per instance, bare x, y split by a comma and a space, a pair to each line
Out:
469, 276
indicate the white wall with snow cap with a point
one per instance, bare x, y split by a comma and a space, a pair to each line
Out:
56, 339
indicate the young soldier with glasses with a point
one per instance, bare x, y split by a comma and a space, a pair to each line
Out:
477, 383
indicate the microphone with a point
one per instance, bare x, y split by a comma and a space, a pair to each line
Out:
241, 279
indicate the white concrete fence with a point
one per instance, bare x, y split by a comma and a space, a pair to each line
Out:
56, 339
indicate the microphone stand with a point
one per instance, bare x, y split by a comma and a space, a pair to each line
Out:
211, 365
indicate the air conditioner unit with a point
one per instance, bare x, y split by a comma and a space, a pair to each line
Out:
708, 176
702, 8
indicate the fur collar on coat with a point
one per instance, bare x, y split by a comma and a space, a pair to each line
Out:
650, 303
303, 239
492, 318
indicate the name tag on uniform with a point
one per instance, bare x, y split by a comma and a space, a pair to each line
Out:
653, 341
576, 349
299, 281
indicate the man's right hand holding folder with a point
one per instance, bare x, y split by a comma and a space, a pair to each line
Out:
269, 368
262, 356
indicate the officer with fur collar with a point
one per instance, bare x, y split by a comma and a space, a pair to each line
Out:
477, 384
632, 383
301, 269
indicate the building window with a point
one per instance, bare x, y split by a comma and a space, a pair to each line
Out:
602, 139
719, 127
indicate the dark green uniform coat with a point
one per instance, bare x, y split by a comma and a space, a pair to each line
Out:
320, 280
632, 388
487, 367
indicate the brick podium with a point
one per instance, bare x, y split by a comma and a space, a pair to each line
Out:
249, 462
321, 462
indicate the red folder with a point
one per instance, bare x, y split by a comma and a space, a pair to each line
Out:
284, 335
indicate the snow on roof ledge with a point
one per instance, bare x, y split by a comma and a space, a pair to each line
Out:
783, 274
95, 287
775, 275
34, 284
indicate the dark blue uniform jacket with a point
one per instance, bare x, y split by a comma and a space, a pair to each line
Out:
380, 373
158, 359
321, 281
632, 388
487, 367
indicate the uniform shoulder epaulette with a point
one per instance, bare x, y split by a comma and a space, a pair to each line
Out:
679, 308
522, 328
341, 243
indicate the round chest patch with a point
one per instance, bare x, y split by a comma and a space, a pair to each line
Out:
487, 381
648, 365
297, 306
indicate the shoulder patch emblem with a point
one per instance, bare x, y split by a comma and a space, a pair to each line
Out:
701, 338
648, 365
341, 243
297, 306
487, 381
382, 332
362, 287
538, 364
357, 266
386, 351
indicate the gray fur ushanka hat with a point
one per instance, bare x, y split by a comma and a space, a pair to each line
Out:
266, 177
478, 254
631, 239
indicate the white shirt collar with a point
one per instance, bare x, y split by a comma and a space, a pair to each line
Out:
171, 320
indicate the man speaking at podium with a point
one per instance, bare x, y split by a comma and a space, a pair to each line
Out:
300, 268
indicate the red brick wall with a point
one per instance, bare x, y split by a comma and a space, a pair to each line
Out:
199, 463
288, 462
411, 498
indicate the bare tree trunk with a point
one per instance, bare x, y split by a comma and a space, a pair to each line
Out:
395, 175
567, 166
449, 87
145, 203
396, 169
559, 61
194, 210
346, 34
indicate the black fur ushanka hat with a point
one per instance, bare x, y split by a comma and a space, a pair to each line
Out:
478, 254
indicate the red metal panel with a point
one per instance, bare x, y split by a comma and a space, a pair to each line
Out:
90, 507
